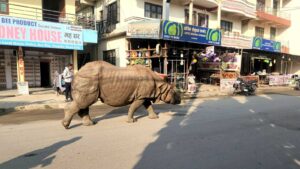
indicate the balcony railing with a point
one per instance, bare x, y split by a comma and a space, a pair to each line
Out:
275, 12
236, 40
27, 12
104, 27
243, 7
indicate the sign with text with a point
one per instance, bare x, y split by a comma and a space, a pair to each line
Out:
23, 88
31, 33
189, 33
266, 45
226, 85
144, 29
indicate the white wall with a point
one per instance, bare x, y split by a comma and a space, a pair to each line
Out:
120, 45
292, 33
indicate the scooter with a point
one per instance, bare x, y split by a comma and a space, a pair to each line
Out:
246, 88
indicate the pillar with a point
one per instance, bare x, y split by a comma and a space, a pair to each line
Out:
219, 14
8, 74
75, 61
191, 6
20, 65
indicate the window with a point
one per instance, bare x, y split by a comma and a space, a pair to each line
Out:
112, 13
101, 15
273, 33
4, 6
226, 26
110, 56
202, 20
259, 31
153, 11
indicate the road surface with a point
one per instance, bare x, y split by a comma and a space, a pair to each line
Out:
258, 132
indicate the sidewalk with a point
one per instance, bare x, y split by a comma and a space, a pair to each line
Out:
45, 98
39, 98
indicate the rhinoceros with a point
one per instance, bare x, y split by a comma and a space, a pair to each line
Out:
115, 86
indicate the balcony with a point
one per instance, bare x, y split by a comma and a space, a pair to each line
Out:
40, 14
273, 16
236, 40
242, 8
202, 4
104, 27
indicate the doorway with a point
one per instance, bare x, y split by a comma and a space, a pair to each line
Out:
45, 74
53, 10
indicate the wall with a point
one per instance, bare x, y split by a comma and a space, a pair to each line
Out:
120, 45
292, 33
33, 9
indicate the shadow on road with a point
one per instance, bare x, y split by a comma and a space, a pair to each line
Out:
233, 132
37, 158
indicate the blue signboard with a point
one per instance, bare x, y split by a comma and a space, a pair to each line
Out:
189, 33
266, 45
90, 36
32, 33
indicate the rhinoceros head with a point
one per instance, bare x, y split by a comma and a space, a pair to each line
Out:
169, 95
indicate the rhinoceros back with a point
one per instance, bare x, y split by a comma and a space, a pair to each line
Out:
113, 85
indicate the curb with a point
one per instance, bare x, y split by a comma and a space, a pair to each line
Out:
200, 94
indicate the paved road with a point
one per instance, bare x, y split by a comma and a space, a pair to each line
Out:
259, 132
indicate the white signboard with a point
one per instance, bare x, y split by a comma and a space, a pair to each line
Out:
226, 85
23, 88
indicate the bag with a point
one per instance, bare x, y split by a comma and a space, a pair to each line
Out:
63, 82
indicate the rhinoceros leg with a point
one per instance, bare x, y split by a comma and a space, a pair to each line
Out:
133, 107
86, 119
148, 106
69, 113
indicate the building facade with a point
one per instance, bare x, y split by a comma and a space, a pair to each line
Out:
38, 38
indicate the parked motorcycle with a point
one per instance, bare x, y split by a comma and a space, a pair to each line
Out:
246, 88
297, 84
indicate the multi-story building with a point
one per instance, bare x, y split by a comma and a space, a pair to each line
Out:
38, 38
264, 32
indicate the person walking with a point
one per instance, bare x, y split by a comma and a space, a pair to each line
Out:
68, 77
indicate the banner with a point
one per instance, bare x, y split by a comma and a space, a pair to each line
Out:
144, 29
189, 33
266, 45
32, 33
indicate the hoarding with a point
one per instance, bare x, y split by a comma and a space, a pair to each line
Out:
32, 33
144, 29
189, 33
266, 45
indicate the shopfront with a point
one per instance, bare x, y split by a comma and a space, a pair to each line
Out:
169, 47
32, 51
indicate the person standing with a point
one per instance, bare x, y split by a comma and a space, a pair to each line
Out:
68, 77
56, 82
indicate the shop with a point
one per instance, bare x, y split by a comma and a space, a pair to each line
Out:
31, 54
169, 47
266, 61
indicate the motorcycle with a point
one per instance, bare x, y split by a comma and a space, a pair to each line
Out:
297, 84
246, 88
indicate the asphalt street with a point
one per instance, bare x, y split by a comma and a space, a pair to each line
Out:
257, 132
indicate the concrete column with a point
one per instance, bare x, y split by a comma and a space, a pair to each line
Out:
191, 8
75, 61
166, 10
280, 4
219, 14
8, 74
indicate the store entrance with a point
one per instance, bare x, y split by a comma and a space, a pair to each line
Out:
45, 74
